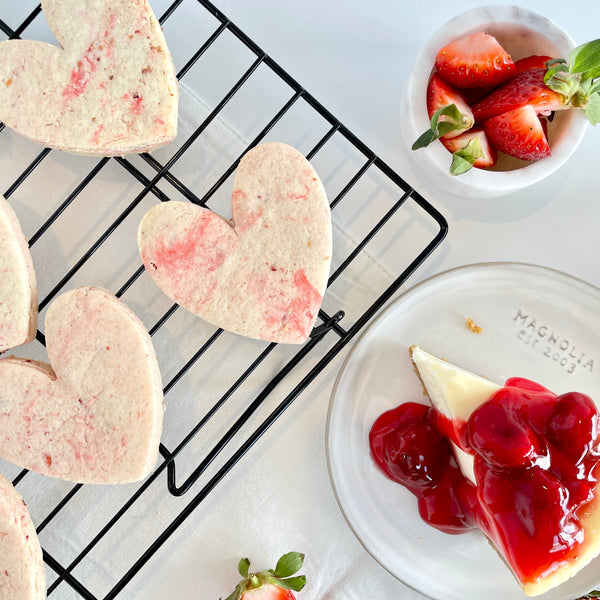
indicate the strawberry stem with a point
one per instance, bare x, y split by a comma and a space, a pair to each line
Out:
454, 120
463, 159
576, 79
287, 565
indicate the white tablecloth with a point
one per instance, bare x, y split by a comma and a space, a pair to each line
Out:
354, 57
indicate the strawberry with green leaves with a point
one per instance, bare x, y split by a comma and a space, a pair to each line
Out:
449, 113
470, 149
274, 584
560, 85
578, 79
474, 120
527, 87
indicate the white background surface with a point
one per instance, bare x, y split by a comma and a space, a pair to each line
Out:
354, 57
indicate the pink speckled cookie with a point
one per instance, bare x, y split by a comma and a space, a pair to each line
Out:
95, 415
112, 89
265, 276
22, 574
18, 288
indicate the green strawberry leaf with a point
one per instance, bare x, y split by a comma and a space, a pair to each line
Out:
585, 59
454, 120
594, 87
464, 159
592, 109
243, 567
557, 71
236, 594
289, 564
459, 164
556, 61
292, 583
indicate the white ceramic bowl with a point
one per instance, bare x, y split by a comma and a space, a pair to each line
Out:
522, 33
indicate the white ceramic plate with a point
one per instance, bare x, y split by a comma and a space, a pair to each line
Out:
536, 323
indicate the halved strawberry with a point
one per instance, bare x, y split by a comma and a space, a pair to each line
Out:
449, 113
470, 149
273, 584
518, 133
527, 87
440, 94
535, 61
477, 60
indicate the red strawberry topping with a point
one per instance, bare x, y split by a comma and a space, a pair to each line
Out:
527, 87
518, 133
477, 60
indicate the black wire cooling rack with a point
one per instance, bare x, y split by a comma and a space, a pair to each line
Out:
236, 89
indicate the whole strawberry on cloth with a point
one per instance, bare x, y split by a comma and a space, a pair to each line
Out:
480, 102
279, 583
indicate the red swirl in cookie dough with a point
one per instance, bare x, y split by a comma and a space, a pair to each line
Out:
94, 415
110, 90
22, 574
18, 287
264, 277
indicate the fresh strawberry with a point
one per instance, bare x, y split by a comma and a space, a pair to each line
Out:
440, 94
477, 60
559, 85
274, 584
527, 87
534, 61
518, 133
448, 112
474, 95
470, 149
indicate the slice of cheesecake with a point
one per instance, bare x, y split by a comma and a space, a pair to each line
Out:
518, 537
455, 393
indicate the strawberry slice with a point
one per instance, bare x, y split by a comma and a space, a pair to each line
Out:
477, 60
273, 584
527, 87
448, 111
535, 61
439, 95
470, 149
518, 133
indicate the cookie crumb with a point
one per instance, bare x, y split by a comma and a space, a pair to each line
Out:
472, 326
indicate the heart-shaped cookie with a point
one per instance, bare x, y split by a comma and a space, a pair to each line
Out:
112, 89
22, 574
18, 288
95, 415
265, 276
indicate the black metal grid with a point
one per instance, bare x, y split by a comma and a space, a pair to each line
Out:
158, 179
